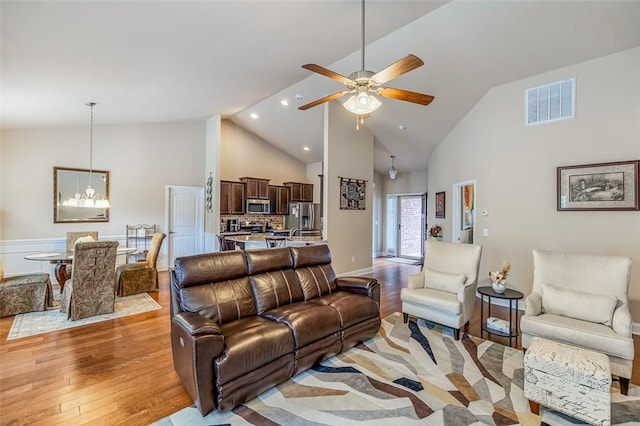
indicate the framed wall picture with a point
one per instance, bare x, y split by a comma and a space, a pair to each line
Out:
352, 194
468, 205
603, 186
440, 205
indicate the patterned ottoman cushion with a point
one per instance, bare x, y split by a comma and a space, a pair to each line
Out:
569, 379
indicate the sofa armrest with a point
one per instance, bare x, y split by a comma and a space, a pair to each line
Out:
416, 280
361, 285
621, 322
467, 296
195, 324
196, 342
533, 304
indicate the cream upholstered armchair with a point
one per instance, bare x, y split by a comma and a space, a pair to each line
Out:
92, 289
140, 277
582, 300
445, 291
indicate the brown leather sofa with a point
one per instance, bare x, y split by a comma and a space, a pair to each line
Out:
244, 321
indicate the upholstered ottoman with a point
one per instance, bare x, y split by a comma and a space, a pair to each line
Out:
568, 379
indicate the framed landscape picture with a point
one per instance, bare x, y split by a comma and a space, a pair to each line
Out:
604, 186
440, 205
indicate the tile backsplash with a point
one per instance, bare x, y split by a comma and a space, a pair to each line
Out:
274, 221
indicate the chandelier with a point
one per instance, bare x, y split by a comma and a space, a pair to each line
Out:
89, 199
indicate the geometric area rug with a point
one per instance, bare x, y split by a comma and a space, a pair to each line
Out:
52, 319
407, 374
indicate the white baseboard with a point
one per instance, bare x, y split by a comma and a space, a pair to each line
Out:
635, 327
357, 272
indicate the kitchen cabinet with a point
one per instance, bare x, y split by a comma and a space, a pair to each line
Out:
232, 196
256, 188
279, 199
300, 191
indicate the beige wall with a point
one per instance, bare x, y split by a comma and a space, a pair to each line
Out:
347, 153
245, 154
141, 159
515, 167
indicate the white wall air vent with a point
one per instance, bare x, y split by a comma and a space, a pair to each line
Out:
551, 102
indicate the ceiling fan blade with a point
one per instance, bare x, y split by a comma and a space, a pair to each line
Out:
405, 95
395, 70
323, 100
327, 73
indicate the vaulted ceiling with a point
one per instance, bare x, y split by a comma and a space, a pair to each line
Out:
159, 61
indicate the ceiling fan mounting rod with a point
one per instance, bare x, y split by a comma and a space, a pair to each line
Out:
362, 51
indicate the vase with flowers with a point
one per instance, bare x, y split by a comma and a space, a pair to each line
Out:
498, 278
435, 232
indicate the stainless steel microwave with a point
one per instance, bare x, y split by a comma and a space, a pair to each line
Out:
258, 206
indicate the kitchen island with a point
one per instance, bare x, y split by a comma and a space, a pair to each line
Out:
257, 241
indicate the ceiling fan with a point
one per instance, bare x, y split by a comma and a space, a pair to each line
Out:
365, 84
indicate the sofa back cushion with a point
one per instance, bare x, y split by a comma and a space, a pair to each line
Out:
210, 268
597, 308
221, 302
273, 279
589, 273
314, 270
215, 285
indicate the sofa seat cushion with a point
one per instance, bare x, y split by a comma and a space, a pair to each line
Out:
440, 300
309, 321
250, 343
353, 308
586, 334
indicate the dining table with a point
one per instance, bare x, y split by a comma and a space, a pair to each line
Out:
62, 259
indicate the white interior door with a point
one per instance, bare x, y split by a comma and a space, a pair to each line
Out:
184, 216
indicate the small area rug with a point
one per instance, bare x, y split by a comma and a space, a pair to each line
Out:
52, 319
406, 375
403, 260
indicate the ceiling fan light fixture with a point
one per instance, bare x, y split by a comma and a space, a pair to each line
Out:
362, 103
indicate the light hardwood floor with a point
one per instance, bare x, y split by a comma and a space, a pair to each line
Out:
121, 371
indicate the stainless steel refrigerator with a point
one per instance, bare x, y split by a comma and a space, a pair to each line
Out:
305, 218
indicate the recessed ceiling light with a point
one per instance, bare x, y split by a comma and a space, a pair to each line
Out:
254, 115
306, 148
402, 127
284, 102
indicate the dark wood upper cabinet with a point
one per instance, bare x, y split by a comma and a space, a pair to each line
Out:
279, 199
300, 191
232, 196
256, 188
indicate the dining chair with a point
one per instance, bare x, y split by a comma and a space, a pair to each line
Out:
226, 245
140, 277
72, 237
24, 293
275, 241
92, 288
